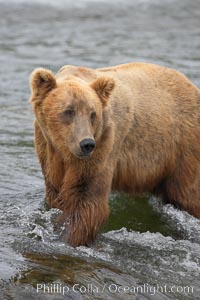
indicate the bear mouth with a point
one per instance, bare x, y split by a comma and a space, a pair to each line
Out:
83, 156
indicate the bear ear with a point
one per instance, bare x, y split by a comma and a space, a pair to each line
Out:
103, 86
42, 81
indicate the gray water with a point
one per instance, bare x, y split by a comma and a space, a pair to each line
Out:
144, 241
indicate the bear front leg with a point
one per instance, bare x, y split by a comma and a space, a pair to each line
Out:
51, 165
84, 201
51, 194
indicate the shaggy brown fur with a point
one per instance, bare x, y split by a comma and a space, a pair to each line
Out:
145, 120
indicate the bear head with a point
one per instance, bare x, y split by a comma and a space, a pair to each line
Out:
70, 112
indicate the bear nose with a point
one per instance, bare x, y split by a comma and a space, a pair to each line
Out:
87, 145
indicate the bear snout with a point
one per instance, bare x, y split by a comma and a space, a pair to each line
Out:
87, 146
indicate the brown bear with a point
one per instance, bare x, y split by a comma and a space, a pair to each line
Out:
132, 128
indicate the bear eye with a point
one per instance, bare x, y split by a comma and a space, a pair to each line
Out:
93, 116
67, 116
69, 113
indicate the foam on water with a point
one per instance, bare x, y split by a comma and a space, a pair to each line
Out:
40, 225
138, 253
149, 256
181, 219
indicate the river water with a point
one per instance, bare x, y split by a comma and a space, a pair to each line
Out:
144, 244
